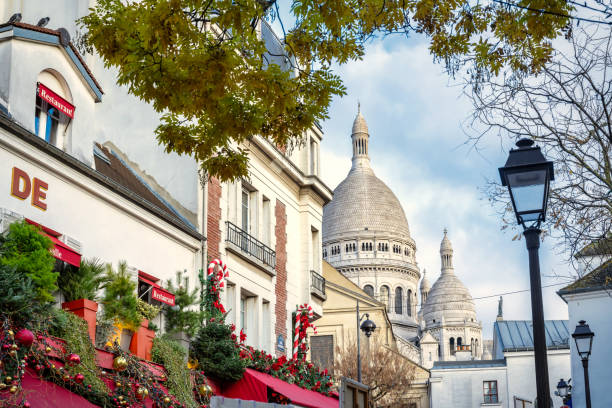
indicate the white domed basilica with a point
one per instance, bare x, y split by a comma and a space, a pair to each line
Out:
366, 237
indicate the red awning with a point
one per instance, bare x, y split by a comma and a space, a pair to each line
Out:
44, 394
60, 250
253, 386
157, 292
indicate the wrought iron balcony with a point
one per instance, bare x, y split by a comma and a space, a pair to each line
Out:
317, 285
250, 245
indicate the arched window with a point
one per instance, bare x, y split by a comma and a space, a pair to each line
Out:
384, 295
476, 347
409, 302
472, 346
399, 299
51, 122
452, 345
459, 343
369, 289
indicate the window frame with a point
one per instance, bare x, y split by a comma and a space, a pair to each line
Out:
490, 394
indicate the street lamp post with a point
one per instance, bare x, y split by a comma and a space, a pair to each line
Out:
583, 336
527, 174
367, 327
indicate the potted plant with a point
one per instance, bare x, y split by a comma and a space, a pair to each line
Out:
121, 303
80, 288
183, 319
142, 341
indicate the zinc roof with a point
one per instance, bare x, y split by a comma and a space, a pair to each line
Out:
517, 335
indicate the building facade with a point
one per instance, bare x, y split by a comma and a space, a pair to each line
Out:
117, 195
587, 299
508, 380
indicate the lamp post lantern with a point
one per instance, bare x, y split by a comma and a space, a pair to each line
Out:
367, 327
583, 336
564, 390
527, 174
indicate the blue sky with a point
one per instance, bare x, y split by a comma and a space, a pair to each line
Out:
415, 115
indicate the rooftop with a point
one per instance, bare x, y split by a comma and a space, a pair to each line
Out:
517, 335
440, 365
598, 279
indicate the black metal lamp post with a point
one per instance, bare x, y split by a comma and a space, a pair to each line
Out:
583, 336
564, 390
527, 174
367, 327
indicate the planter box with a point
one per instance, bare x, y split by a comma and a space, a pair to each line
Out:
142, 341
85, 309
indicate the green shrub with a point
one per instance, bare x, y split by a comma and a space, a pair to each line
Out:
172, 356
146, 310
217, 352
184, 319
83, 282
17, 301
120, 301
27, 251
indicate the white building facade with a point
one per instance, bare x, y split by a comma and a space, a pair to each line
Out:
508, 380
589, 299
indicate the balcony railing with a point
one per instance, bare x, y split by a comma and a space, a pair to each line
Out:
250, 245
317, 285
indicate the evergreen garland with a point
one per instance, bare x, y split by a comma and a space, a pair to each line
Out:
172, 356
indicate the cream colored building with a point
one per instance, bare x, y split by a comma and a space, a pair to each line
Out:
338, 328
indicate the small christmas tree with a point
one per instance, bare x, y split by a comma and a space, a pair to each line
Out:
216, 347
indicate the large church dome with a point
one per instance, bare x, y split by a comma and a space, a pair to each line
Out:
362, 201
448, 300
366, 237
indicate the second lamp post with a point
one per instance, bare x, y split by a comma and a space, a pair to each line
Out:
527, 174
367, 327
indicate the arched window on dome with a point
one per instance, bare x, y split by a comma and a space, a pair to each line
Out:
459, 343
476, 347
452, 345
384, 296
399, 299
472, 346
409, 302
369, 289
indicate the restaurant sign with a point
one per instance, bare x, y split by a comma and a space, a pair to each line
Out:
162, 296
55, 100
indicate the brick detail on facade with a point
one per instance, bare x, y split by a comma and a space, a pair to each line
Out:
280, 308
213, 231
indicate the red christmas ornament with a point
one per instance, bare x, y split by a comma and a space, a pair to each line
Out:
79, 378
25, 337
73, 359
26, 404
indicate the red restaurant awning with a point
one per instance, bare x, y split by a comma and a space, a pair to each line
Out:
253, 386
60, 250
157, 292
